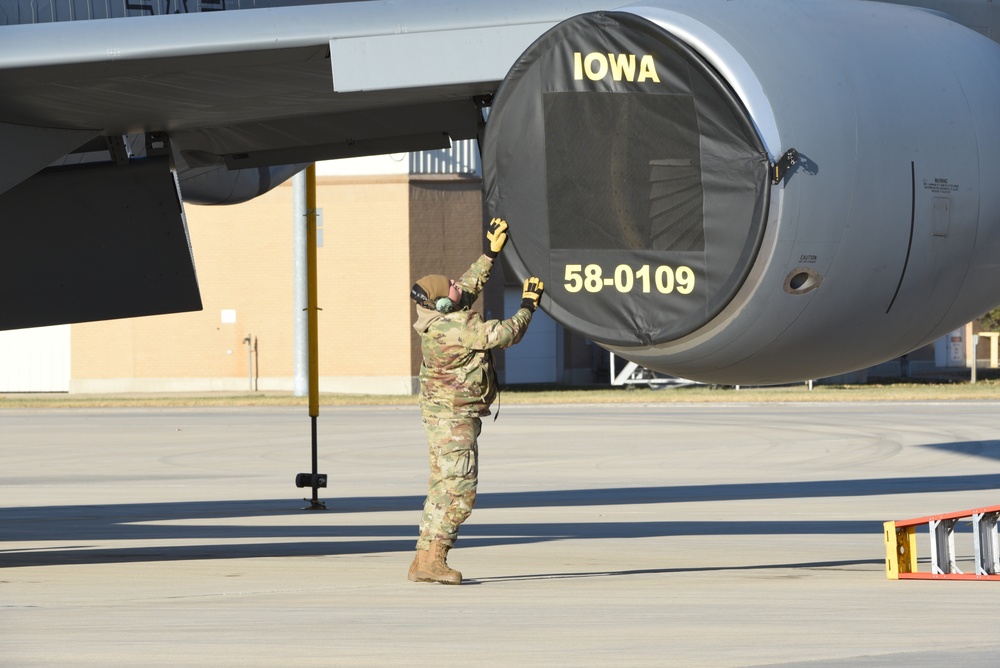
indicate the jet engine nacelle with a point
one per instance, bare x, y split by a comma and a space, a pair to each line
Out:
217, 184
644, 160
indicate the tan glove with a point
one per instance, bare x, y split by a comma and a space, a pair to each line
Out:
533, 288
496, 235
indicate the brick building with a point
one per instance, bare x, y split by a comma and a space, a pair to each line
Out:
384, 223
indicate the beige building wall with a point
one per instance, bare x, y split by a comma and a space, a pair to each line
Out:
379, 234
244, 260
364, 289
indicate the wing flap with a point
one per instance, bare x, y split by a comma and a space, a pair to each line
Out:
29, 149
57, 266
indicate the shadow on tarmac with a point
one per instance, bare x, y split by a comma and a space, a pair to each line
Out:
987, 449
472, 536
667, 571
156, 521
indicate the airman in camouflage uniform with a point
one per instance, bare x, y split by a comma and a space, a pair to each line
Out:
457, 385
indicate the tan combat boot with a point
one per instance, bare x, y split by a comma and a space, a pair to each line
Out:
418, 560
430, 566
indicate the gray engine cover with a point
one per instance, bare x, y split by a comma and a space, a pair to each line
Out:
882, 237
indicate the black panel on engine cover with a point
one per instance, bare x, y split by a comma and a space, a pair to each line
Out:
633, 180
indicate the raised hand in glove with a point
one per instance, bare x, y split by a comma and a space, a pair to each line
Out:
496, 236
533, 288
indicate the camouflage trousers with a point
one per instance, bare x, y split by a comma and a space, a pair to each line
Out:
454, 455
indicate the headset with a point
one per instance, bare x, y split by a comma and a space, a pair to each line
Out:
442, 304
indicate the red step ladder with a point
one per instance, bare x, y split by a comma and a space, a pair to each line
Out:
901, 546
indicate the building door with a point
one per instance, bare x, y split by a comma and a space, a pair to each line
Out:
535, 359
35, 360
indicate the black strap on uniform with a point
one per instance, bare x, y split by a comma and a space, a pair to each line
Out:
496, 383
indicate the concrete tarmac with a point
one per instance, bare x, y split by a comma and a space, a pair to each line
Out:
667, 535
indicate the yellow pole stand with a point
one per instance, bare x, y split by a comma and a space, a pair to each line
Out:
312, 299
313, 317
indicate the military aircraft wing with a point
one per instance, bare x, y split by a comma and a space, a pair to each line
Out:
266, 86
234, 101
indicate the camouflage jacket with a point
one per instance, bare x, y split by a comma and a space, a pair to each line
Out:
457, 375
